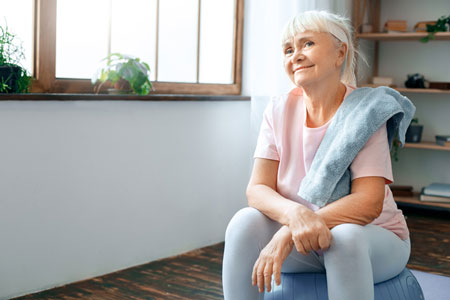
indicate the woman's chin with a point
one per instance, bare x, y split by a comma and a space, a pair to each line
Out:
302, 81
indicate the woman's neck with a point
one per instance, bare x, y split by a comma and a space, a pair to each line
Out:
322, 101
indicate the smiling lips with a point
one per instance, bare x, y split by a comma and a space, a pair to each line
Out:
301, 68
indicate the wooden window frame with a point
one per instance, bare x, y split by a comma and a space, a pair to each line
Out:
44, 59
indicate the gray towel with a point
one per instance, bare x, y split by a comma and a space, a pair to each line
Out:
358, 117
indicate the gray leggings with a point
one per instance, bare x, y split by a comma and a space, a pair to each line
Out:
358, 257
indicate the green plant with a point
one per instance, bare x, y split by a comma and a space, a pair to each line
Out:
124, 72
11, 54
395, 147
442, 24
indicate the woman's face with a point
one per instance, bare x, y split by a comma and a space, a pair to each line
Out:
312, 56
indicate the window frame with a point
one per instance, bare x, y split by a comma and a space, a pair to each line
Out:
44, 59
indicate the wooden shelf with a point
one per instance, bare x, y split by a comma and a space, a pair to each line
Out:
427, 145
407, 90
432, 91
415, 202
407, 36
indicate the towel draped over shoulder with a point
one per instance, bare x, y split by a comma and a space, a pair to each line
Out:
358, 117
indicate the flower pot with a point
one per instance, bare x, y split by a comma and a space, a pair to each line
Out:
122, 84
9, 75
414, 133
118, 92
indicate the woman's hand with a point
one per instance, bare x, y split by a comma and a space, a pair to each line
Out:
309, 230
271, 258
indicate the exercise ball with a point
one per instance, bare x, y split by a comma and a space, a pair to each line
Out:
313, 286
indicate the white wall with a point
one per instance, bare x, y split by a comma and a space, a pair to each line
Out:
418, 167
90, 187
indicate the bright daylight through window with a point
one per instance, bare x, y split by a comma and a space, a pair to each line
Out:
188, 47
18, 17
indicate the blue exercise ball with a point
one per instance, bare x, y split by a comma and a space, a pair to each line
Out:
313, 286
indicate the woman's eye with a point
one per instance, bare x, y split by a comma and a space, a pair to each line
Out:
309, 42
288, 51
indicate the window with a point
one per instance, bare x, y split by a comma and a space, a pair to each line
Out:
18, 17
199, 53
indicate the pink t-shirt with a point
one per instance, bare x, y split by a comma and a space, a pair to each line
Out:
285, 137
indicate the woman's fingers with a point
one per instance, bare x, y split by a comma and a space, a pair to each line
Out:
315, 244
255, 269
262, 274
268, 276
324, 241
308, 245
277, 272
299, 246
260, 277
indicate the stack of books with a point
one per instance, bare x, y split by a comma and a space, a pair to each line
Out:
436, 192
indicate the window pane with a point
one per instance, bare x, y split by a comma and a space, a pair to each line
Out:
81, 37
19, 18
133, 30
216, 41
177, 53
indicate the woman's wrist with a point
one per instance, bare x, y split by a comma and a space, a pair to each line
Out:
292, 213
285, 234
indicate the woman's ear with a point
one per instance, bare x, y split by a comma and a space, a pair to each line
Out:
342, 51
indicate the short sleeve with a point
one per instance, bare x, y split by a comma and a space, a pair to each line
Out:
374, 159
266, 146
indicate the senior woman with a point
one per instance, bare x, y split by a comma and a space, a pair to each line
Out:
358, 240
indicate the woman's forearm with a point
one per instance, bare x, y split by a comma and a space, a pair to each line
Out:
271, 203
353, 208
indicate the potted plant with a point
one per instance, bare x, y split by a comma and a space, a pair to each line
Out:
126, 74
13, 77
414, 132
442, 25
395, 147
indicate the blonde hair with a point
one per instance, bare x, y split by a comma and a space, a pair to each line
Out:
338, 26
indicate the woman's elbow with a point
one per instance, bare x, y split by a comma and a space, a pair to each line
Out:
249, 194
377, 207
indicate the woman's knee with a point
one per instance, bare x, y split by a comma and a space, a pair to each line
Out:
247, 224
349, 239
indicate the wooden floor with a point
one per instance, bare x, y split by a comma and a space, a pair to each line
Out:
430, 241
197, 274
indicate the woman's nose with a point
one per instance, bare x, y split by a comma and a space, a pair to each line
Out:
297, 57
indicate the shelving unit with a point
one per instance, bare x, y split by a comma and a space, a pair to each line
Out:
415, 202
427, 145
407, 36
408, 90
423, 91
413, 37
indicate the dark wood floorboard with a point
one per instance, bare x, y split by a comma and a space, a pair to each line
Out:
197, 274
430, 240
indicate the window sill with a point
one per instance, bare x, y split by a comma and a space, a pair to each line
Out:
108, 97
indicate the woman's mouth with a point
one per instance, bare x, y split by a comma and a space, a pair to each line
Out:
303, 68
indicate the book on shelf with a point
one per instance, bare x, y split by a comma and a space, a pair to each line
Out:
428, 198
401, 190
437, 189
402, 193
390, 31
395, 26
